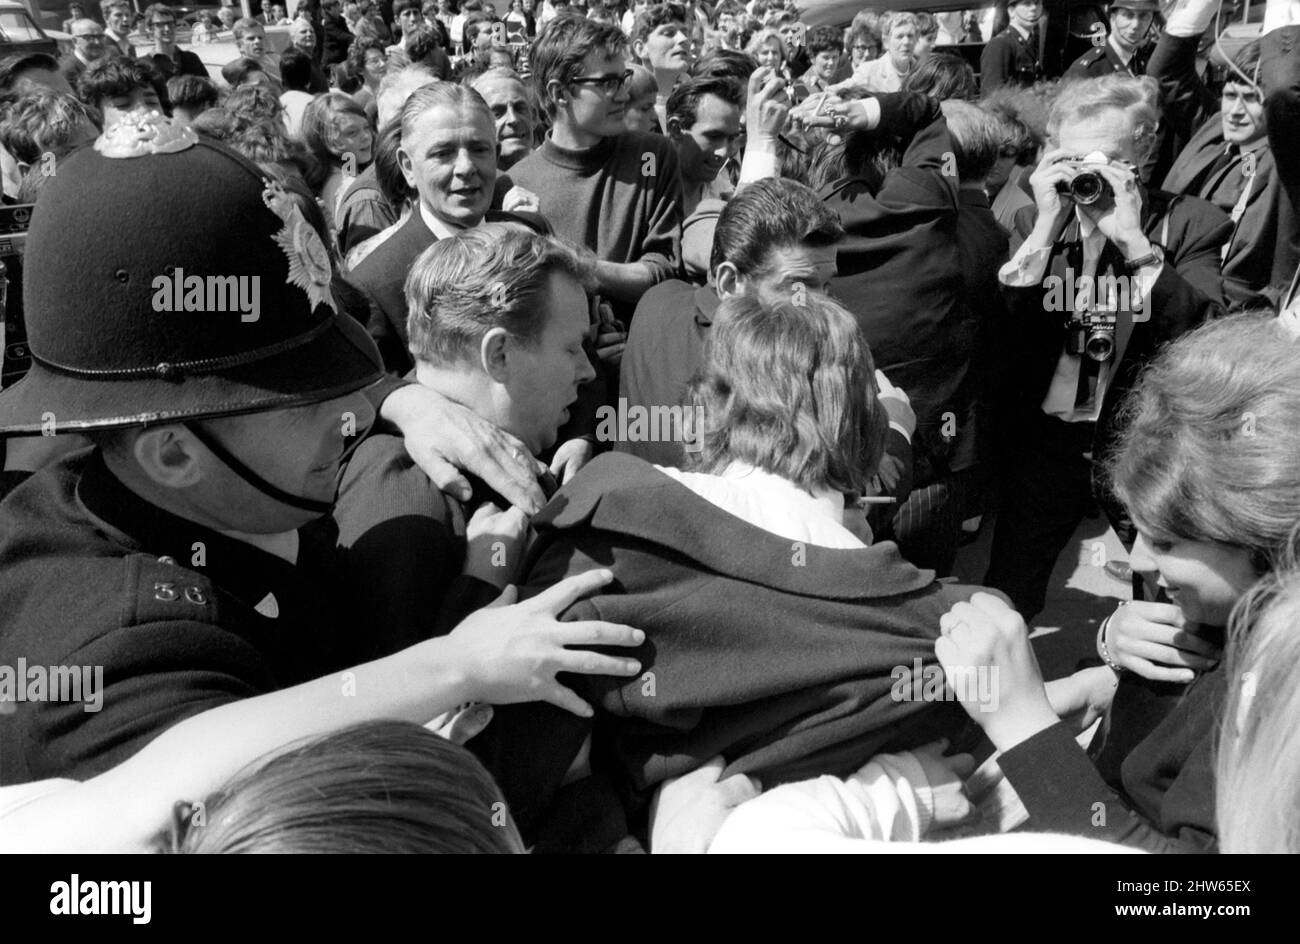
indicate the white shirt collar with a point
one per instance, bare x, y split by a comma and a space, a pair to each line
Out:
436, 226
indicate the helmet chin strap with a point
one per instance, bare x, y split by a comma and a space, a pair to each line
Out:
252, 478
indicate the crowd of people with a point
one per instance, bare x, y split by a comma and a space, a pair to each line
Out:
501, 427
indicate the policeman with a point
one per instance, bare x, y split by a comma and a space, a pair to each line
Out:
1125, 49
179, 313
1012, 56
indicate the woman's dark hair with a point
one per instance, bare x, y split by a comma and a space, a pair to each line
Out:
236, 72
824, 39
943, 75
381, 787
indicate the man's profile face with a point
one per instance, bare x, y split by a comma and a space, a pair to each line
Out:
544, 381
252, 42
508, 100
1242, 113
88, 37
595, 110
704, 147
298, 450
450, 158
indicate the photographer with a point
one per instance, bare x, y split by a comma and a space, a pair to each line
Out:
1107, 272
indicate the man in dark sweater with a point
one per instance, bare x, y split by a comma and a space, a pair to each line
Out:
617, 193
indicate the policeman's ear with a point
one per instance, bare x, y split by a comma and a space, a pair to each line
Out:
169, 456
727, 280
493, 354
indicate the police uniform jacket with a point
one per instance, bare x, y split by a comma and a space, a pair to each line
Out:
181, 619
1009, 58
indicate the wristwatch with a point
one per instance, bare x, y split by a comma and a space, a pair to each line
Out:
1155, 257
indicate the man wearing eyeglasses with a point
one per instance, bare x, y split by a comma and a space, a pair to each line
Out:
169, 59
88, 47
617, 192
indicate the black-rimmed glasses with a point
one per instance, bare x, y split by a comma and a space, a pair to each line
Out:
608, 84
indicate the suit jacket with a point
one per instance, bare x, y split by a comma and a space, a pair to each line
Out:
1265, 243
382, 277
1188, 292
783, 659
900, 272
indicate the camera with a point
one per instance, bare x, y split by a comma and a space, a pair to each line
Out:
1092, 335
1090, 188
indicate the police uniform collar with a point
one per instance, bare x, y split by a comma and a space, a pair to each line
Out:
239, 568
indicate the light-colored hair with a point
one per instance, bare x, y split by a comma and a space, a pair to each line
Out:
760, 40
788, 386
1138, 98
488, 276
891, 21
1210, 441
1257, 776
396, 87
380, 787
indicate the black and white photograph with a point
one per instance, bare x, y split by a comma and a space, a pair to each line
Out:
562, 427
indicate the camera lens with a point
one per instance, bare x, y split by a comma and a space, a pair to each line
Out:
1087, 187
1100, 346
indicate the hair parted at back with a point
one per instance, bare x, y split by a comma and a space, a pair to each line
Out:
488, 276
731, 63
379, 787
1138, 97
564, 44
788, 386
1210, 441
767, 215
